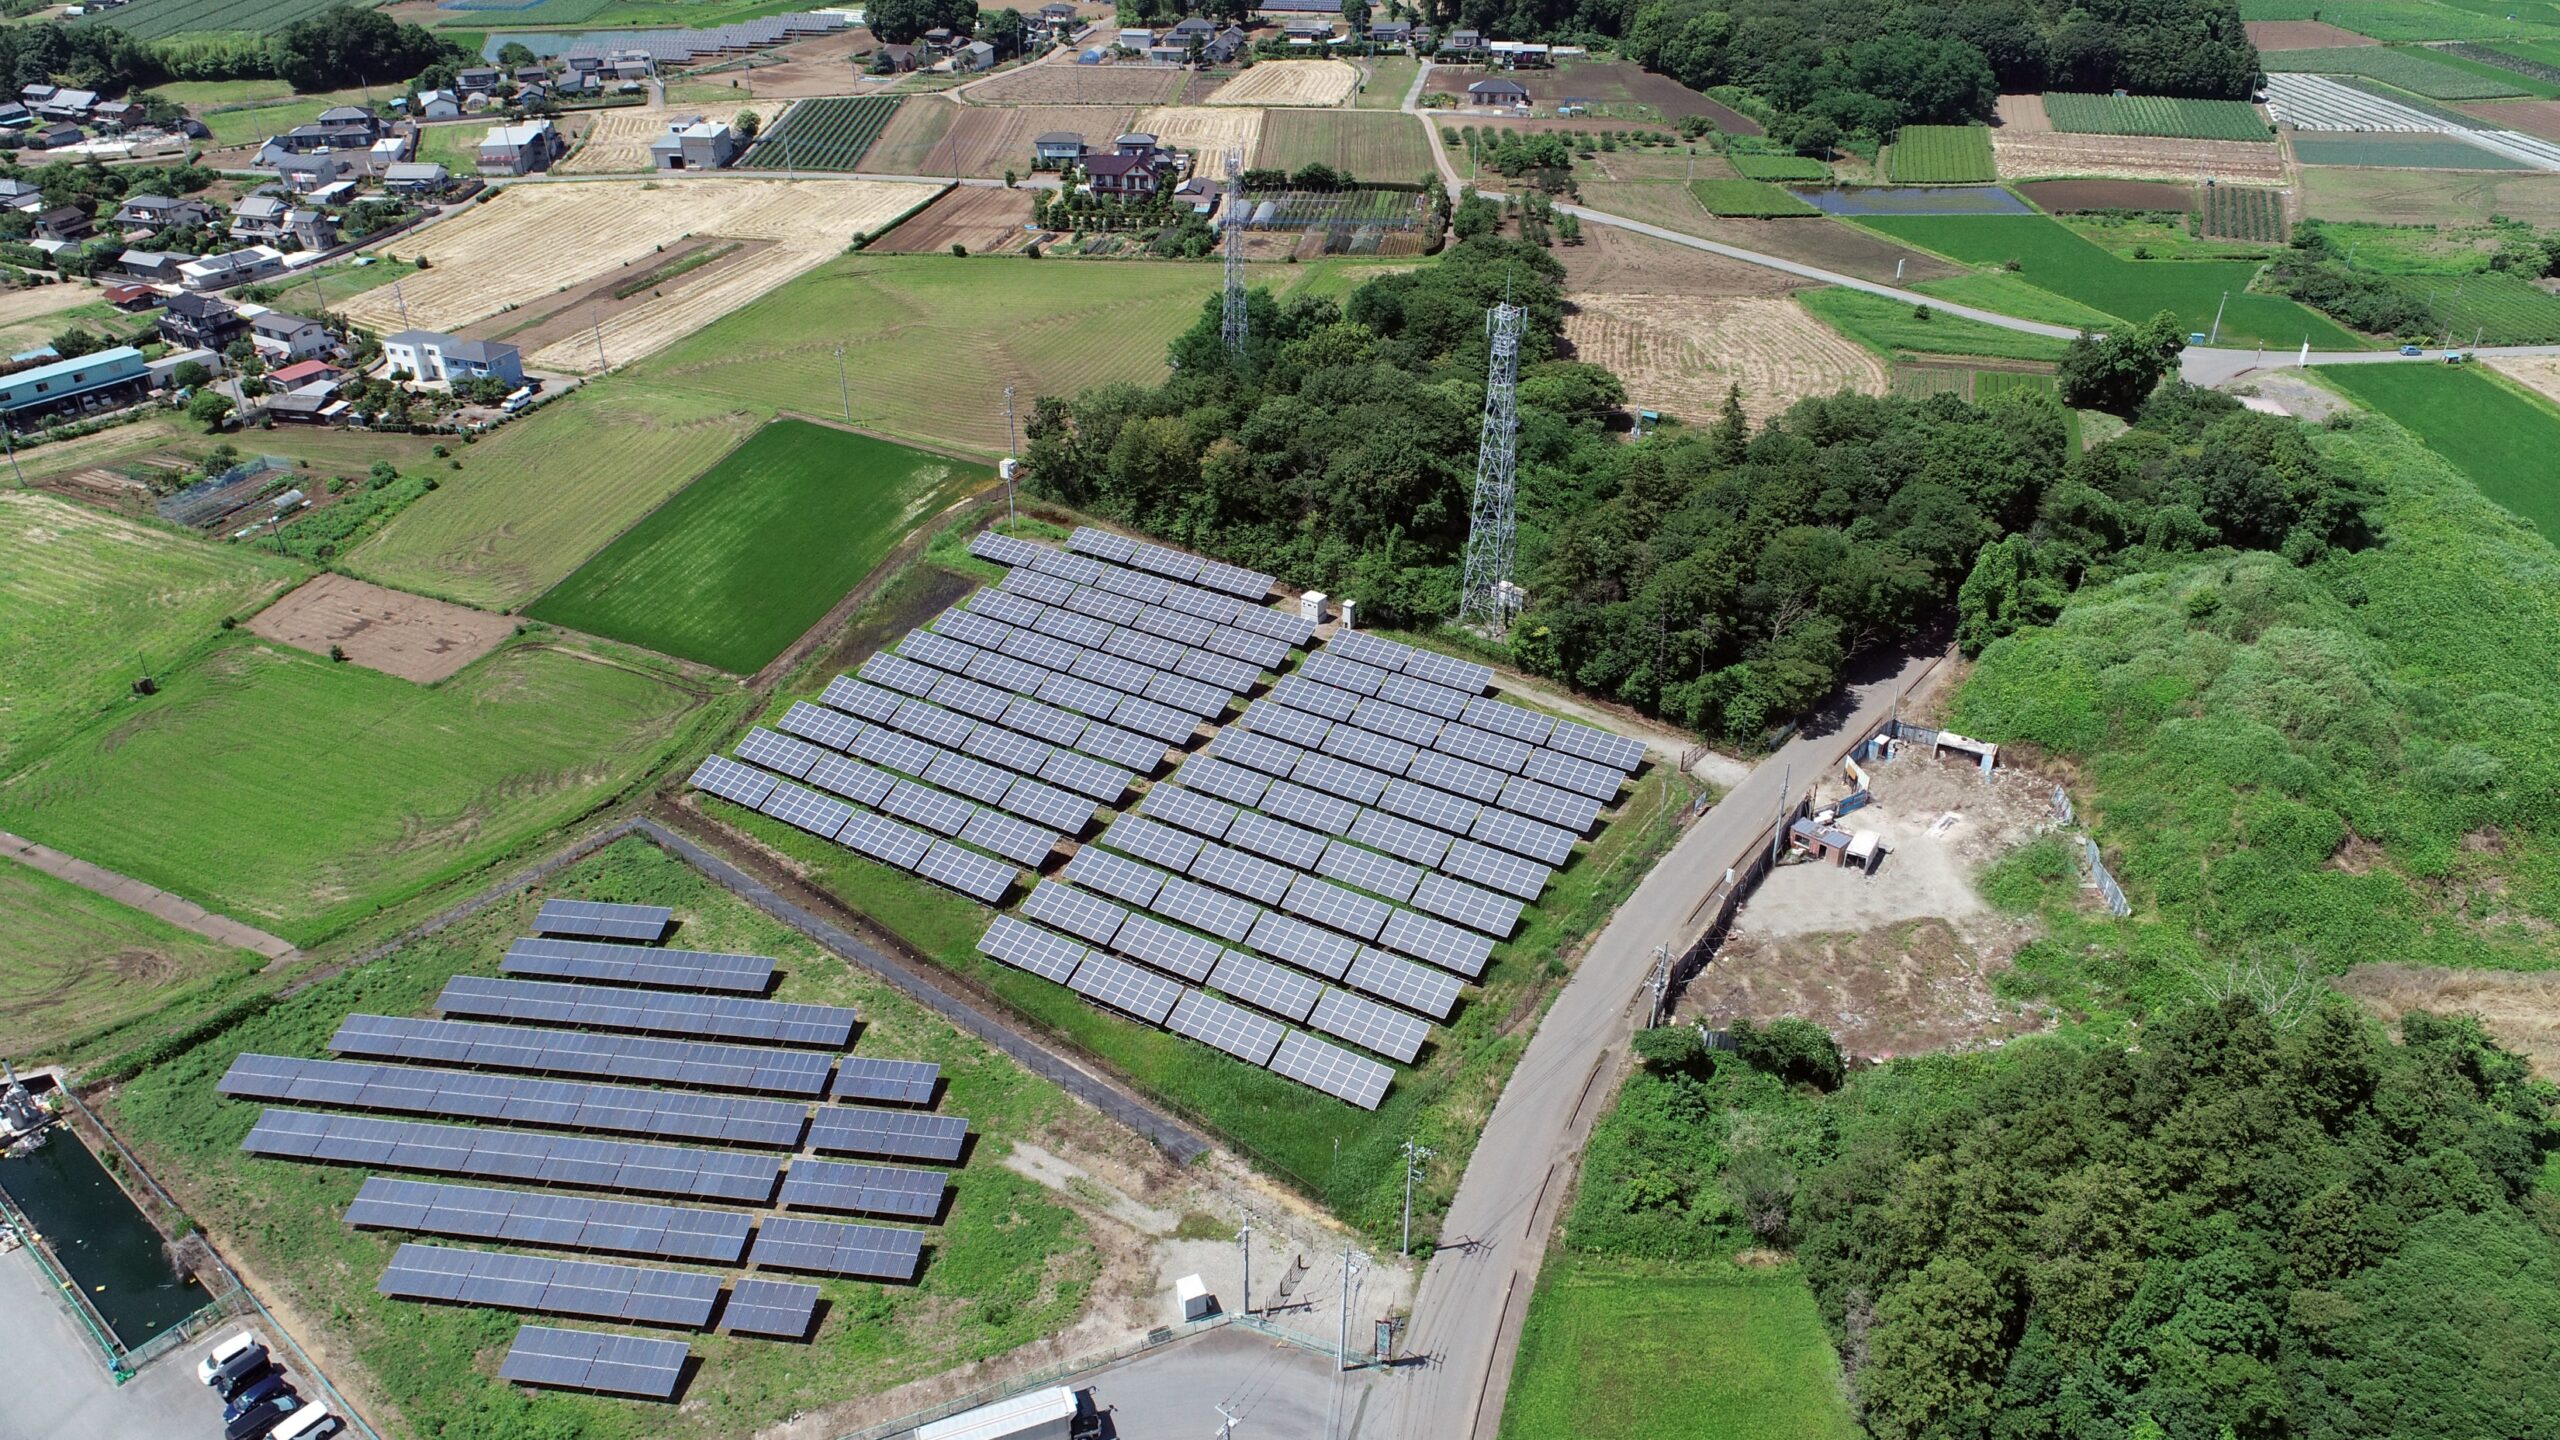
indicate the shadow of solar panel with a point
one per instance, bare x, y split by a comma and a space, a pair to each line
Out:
1368, 870
770, 1307
510, 1154
903, 753
1277, 840
1215, 775
1300, 693
1422, 697
897, 1134
719, 775
1172, 627
1105, 873
1279, 625
1311, 808
1455, 674
1340, 778
1103, 605
1176, 952
1326, 668
1259, 651
1415, 987
932, 722
968, 776
1126, 676
974, 875
1306, 946
864, 1189
1563, 808
867, 1252
1157, 560
1028, 947
1002, 549
681, 969
1201, 604
1268, 719
1048, 805
1480, 783
860, 697
1140, 994
1257, 751
806, 809
1186, 902
831, 728
982, 628
1233, 580
1265, 986
1514, 722
1440, 943
1371, 1026
1483, 747
1073, 568
1086, 776
885, 840
1214, 1022
779, 753
1206, 701
1101, 544
1006, 673
1148, 589
1047, 722
1331, 1069
893, 1082
1469, 905
1436, 808
1002, 608
898, 673
1082, 631
1247, 875
1138, 647
1042, 650
1330, 905
1085, 916
607, 1007
602, 920
1160, 722
1585, 742
1549, 844
1140, 753
1017, 840
983, 702
939, 651
1582, 777
1363, 747
1190, 810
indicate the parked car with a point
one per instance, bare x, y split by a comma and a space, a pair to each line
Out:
255, 1422
233, 1365
311, 1422
256, 1393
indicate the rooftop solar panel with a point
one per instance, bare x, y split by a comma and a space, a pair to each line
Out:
1048, 805
831, 728
1006, 673
1074, 911
927, 807
1585, 742
1306, 946
886, 747
1331, 1069
1311, 808
969, 776
1002, 549
1140, 753
1279, 840
1141, 648
1017, 840
1182, 693
1005, 609
855, 1189
1048, 722
1368, 870
1152, 841
1365, 1023
1363, 747
1158, 560
1582, 777
1418, 988
719, 775
1438, 701
1224, 779
1247, 875
1326, 668
1081, 696
1331, 905
1436, 941
1545, 802
1104, 873
860, 697
1463, 675
630, 965
1103, 605
868, 1252
1300, 693
1470, 905
1101, 544
1259, 751
601, 920
514, 1155
897, 1134
1176, 952
1260, 651
1174, 627
892, 1082
1188, 809
805, 809
1480, 783
1028, 947
1140, 994
555, 1359
1234, 580
1075, 629
1272, 720
1162, 722
611, 1007
1134, 586
1186, 902
1106, 783
1483, 747
939, 651
1073, 568
1436, 808
770, 1307
981, 702
1265, 986
778, 752
1551, 845
1505, 872
1506, 719
932, 722
885, 840
1214, 1022
1279, 625
972, 874
900, 674
1355, 783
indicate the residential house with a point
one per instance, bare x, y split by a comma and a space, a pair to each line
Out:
480, 79
351, 117
303, 174
520, 149
1136, 37
436, 358
15, 116
390, 150
1308, 32
1188, 30
66, 223
1137, 165
573, 83
279, 335
117, 115
631, 64
529, 77
164, 371
1057, 150
1395, 34
1499, 93
415, 179
35, 92
201, 321
160, 212
1060, 19
310, 228
20, 195
54, 137
975, 56
260, 218
693, 143
1200, 193
1164, 53
79, 385
342, 192
941, 40
590, 65
153, 267
1225, 47
902, 58
1461, 44
1521, 54
67, 105
239, 267
439, 105
132, 299
313, 376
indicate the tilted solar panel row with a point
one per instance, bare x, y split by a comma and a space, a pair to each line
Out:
1056, 810
553, 1287
891, 1082
907, 848
581, 1360
1324, 688
1219, 594
578, 1222
864, 1189
515, 1155
516, 1100
934, 729
964, 640
1095, 665
827, 1247
770, 1307
1172, 564
580, 1052
726, 1017
601, 920
890, 1134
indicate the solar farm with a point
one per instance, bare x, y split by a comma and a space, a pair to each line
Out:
1332, 862
667, 1112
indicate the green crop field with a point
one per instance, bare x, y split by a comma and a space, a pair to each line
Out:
1747, 198
2049, 256
2500, 437
1637, 1352
2417, 19
2157, 115
1777, 167
2241, 212
301, 796
89, 602
1892, 329
829, 134
2417, 71
2008, 295
160, 19
75, 967
1367, 144
2486, 309
2399, 151
744, 559
1941, 155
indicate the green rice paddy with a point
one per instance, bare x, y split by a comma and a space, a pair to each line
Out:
2500, 437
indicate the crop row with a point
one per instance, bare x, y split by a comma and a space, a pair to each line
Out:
1748, 198
829, 134
2155, 115
1941, 155
2492, 309
2529, 68
2417, 71
2240, 212
159, 19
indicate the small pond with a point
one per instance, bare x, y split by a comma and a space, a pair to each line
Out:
1911, 200
101, 1240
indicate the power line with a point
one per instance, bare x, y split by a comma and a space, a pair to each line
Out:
1489, 597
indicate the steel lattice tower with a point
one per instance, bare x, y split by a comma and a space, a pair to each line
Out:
1493, 526
1231, 321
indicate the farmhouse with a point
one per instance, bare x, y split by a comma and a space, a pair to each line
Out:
414, 179
289, 337
693, 143
54, 137
15, 116
902, 58
66, 223
160, 212
20, 195
152, 267
439, 105
1397, 33
67, 104
1506, 93
437, 358
200, 321
215, 272
482, 78
976, 55
1059, 18
85, 383
117, 115
1223, 47
520, 149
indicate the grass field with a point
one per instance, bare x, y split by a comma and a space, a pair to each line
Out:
2418, 71
1667, 1352
1747, 198
160, 19
2402, 152
747, 557
554, 14
2497, 435
1369, 144
89, 602
1893, 329
2415, 19
202, 95
1777, 167
2050, 257
301, 796
2490, 309
75, 967
1389, 77
2156, 115
2009, 295
1008, 1264
1941, 155
251, 124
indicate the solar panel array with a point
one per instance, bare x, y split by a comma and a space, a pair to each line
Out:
864, 1189
578, 1052
516, 1099
581, 1222
553, 1287
584, 1360
515, 1155
603, 921
635, 965
827, 1247
605, 1008
781, 1308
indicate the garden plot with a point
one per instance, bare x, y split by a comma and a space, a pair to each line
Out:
1679, 353
618, 140
1290, 82
983, 220
934, 137
2127, 157
1208, 132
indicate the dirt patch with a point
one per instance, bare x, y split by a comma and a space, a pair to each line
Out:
2537, 372
1614, 261
988, 222
1605, 82
1320, 83
2024, 115
823, 66
1845, 248
2022, 157
2293, 391
2538, 118
1055, 83
399, 634
2522, 1011
2302, 35
2065, 197
1679, 353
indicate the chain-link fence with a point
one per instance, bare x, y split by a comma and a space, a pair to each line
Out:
2103, 881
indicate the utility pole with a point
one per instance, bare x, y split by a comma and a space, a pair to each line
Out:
402, 301
1661, 982
1231, 315
844, 386
1414, 1155
2216, 336
1226, 1422
1011, 520
9, 436
1342, 1338
595, 315
1244, 1249
1778, 830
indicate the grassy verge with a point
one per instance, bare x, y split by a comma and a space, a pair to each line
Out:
1893, 329
76, 969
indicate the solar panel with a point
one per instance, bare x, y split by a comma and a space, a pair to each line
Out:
719, 775
1101, 544
1101, 871
1483, 747
932, 722
1016, 840
1582, 777
1368, 870
1326, 668
1106, 783
1480, 783
867, 1189
1203, 604
983, 702
1028, 947
1003, 671
1103, 605
1043, 650
1269, 718
805, 809
1469, 905
1148, 588
1234, 580
1141, 994
1140, 753
1162, 722
968, 776
894, 1082
858, 697
1005, 609
609, 1007
1464, 675
1002, 549
1260, 651
1152, 841
999, 746
1206, 701
928, 807
1365, 1023
898, 1134
476, 1095
1355, 783
556, 1359
1048, 805
1362, 747
1331, 1069
1585, 742
1259, 751
1157, 560
602, 920
1074, 911
574, 1052
1232, 676
1141, 648
827, 1247
1277, 840
883, 746
1329, 904
939, 651
1436, 941
1247, 875
1302, 945
1172, 626
1367, 649
1189, 809
1045, 721
1227, 781
1311, 808
770, 1307
779, 753
1214, 1022
1505, 872
1075, 629
1274, 623
1202, 908
1299, 693
1073, 568
1545, 802
1176, 952
1265, 986
1127, 676
623, 964
1503, 718
972, 874
1416, 987
1436, 808
886, 840
521, 1218
984, 628
1551, 844
1414, 727
900, 674
515, 1155
831, 728
1438, 701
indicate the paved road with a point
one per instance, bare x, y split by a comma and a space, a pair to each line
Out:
1467, 1317
151, 900
63, 1391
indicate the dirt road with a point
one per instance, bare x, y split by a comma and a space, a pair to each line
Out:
125, 890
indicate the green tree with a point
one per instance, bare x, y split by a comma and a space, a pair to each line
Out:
2118, 371
516, 55
345, 46
208, 408
1796, 1051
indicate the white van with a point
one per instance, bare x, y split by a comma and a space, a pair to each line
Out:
223, 1354
309, 1423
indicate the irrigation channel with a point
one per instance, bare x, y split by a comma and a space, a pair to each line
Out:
99, 1238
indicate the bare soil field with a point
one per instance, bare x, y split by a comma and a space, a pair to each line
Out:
1209, 131
820, 66
2302, 35
2024, 115
2538, 118
534, 241
1369, 144
1604, 82
2428, 197
988, 222
2522, 1011
2063, 197
2129, 157
618, 141
2539, 373
1320, 83
1056, 83
34, 302
541, 323
1610, 261
392, 631
932, 136
1679, 353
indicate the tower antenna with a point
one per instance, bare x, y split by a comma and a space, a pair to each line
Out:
1489, 597
1231, 321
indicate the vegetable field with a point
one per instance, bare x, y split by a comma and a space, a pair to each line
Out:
160, 19
1777, 167
1940, 155
1748, 198
2531, 69
1369, 144
2239, 212
2155, 115
2417, 71
828, 134
2497, 309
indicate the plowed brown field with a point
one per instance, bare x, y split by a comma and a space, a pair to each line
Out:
1290, 82
2022, 156
1056, 83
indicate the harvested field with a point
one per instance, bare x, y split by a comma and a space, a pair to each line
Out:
1211, 132
2027, 157
2423, 197
1614, 261
1678, 353
2302, 35
2538, 373
1367, 144
387, 630
988, 222
689, 303
1290, 82
932, 136
2064, 197
2023, 115
2538, 118
618, 140
919, 125
1056, 83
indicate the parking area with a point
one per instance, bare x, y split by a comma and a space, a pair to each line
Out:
76, 1398
1274, 1389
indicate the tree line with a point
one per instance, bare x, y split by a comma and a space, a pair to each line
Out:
337, 48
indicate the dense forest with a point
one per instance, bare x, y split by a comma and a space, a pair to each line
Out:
1715, 575
342, 46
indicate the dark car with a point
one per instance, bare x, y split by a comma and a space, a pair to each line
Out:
260, 1418
254, 1394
